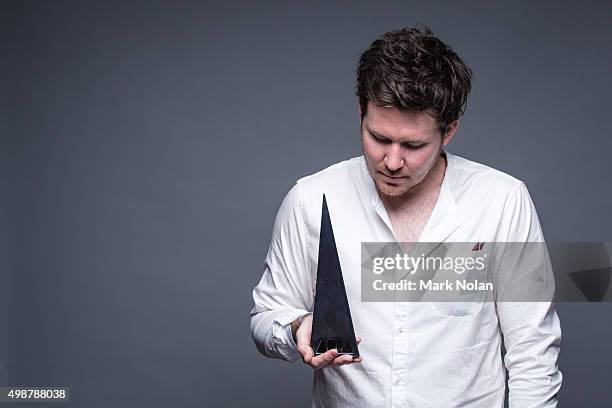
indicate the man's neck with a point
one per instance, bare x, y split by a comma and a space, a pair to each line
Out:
429, 185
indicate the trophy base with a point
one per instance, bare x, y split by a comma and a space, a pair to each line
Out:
343, 346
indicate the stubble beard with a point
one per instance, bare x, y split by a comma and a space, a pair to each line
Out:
393, 191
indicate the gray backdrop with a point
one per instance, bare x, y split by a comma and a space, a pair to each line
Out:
146, 147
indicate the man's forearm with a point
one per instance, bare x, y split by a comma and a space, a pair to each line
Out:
272, 332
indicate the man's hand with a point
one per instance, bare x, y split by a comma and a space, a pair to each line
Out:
330, 357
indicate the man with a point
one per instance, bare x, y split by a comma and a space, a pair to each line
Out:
412, 89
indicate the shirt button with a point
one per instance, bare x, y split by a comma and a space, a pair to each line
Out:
402, 330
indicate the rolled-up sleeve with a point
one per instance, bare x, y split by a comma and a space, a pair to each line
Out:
531, 329
286, 289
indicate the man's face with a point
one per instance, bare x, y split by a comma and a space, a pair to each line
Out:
400, 147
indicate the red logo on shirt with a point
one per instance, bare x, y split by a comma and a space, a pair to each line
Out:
478, 246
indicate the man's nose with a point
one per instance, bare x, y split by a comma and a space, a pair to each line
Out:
393, 158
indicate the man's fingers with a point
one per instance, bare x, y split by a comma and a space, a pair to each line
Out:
341, 360
331, 357
324, 359
347, 359
328, 359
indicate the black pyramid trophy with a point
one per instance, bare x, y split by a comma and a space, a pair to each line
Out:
332, 326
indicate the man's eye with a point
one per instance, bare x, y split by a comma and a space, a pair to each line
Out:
414, 147
381, 140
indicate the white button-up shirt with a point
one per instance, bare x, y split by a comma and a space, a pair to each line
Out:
415, 354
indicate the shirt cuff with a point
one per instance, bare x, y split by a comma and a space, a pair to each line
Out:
281, 334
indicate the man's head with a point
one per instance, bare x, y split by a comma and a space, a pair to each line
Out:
412, 89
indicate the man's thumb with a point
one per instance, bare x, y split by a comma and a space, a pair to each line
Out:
306, 353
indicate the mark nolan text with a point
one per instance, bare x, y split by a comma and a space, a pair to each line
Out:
447, 285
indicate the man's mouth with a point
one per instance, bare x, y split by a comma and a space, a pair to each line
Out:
394, 178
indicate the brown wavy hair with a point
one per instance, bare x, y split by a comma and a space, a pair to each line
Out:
414, 71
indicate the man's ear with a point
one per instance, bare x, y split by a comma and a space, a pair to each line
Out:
451, 132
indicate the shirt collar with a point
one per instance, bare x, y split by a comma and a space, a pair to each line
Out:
444, 219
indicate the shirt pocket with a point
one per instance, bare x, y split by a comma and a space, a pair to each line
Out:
463, 296
460, 310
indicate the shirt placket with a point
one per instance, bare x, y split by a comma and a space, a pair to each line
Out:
400, 356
